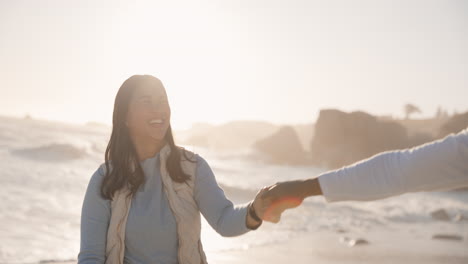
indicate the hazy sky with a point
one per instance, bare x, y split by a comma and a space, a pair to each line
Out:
279, 61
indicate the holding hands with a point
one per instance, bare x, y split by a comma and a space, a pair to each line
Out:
270, 202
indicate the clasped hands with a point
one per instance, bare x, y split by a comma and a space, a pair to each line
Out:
270, 202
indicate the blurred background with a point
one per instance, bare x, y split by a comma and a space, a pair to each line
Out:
266, 91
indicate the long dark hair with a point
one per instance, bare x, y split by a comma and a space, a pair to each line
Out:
126, 169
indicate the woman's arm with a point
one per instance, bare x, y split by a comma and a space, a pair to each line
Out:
225, 217
95, 216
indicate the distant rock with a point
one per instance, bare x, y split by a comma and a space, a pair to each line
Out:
440, 215
418, 139
234, 135
305, 132
455, 124
343, 138
447, 237
418, 128
282, 147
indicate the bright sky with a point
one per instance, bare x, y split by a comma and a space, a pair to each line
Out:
279, 61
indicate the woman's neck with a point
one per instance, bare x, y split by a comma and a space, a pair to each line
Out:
147, 148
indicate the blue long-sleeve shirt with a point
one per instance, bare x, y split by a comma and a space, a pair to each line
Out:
151, 234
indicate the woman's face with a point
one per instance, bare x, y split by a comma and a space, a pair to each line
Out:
149, 113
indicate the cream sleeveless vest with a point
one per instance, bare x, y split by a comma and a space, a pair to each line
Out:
183, 206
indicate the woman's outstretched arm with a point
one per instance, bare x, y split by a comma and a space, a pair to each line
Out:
225, 217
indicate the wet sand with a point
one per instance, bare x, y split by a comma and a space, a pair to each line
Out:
327, 247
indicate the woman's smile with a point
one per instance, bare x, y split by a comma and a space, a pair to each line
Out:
157, 123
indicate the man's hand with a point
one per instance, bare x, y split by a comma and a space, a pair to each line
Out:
261, 204
280, 197
285, 195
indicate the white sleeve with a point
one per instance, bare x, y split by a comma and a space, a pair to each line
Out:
438, 165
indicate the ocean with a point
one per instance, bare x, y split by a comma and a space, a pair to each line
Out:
46, 167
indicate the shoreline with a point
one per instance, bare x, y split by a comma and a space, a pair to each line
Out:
328, 247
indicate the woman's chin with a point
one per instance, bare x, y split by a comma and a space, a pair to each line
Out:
157, 136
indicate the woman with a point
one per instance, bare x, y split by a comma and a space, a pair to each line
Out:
143, 160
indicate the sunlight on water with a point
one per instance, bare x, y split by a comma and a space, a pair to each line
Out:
43, 195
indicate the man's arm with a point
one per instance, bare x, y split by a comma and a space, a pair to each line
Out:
438, 165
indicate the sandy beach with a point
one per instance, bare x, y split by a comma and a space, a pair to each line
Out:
43, 195
327, 248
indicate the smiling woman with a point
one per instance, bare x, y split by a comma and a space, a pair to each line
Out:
148, 116
134, 138
143, 204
